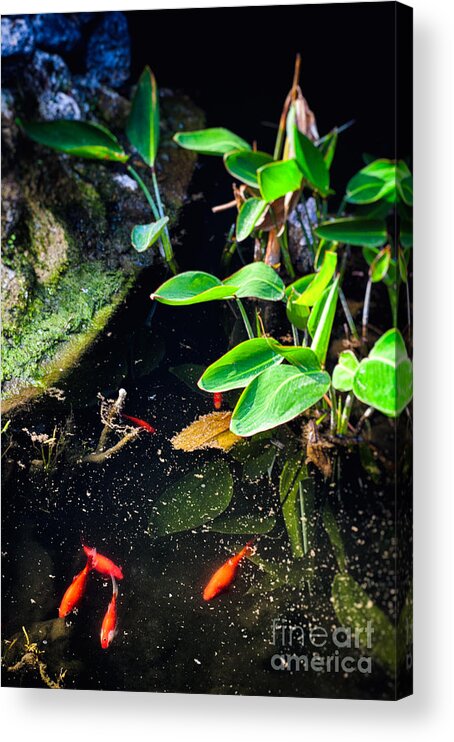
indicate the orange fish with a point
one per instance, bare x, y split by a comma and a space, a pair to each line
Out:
217, 400
109, 623
102, 564
224, 576
75, 591
140, 423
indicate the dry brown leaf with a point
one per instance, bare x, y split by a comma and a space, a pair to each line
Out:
208, 431
316, 449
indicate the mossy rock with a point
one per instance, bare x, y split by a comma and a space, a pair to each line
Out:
67, 258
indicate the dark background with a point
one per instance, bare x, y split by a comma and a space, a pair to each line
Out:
237, 64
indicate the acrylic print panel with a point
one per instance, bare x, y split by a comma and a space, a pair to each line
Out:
207, 351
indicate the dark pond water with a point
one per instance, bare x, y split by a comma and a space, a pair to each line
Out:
169, 638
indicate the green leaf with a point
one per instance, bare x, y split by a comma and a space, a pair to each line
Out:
375, 181
354, 231
328, 147
258, 281
380, 265
334, 535
244, 165
279, 178
356, 610
311, 162
248, 216
276, 396
78, 138
194, 500
293, 473
192, 287
345, 370
405, 189
302, 357
322, 334
243, 524
145, 235
300, 284
217, 141
297, 313
384, 379
320, 280
239, 366
142, 127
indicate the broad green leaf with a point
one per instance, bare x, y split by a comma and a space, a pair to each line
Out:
320, 281
322, 334
192, 287
293, 473
243, 524
239, 366
354, 231
276, 396
279, 178
366, 189
300, 284
384, 379
217, 141
142, 127
345, 370
297, 313
258, 281
145, 235
194, 500
304, 358
248, 216
405, 190
380, 265
334, 535
311, 162
244, 165
355, 609
78, 138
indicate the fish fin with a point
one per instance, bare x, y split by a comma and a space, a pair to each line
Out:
114, 586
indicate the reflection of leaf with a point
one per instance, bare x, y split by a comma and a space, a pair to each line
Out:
248, 523
209, 431
334, 535
194, 500
293, 473
355, 610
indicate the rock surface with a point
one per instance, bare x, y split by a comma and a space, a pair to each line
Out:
66, 222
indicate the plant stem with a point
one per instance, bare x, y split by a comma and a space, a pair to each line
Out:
167, 245
296, 339
332, 396
348, 315
145, 190
229, 249
285, 253
346, 415
245, 318
366, 308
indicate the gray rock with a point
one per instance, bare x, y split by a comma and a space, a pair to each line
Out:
56, 32
47, 72
108, 52
17, 37
300, 222
58, 105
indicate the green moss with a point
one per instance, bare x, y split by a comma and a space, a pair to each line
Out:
61, 322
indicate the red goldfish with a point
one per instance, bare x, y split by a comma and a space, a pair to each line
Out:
140, 423
102, 564
224, 576
109, 623
217, 400
75, 591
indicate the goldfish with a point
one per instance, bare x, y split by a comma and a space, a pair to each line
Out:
140, 423
224, 576
102, 564
75, 591
217, 400
109, 623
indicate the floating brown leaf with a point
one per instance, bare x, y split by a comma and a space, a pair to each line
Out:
208, 431
316, 449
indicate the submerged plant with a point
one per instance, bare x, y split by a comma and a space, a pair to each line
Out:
95, 142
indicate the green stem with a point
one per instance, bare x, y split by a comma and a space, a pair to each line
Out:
348, 315
296, 339
303, 518
245, 318
145, 190
285, 253
167, 245
345, 419
229, 249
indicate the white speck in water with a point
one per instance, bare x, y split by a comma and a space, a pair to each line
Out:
197, 662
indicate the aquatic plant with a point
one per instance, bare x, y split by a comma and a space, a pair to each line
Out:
95, 142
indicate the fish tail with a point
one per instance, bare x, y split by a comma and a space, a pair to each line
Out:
114, 586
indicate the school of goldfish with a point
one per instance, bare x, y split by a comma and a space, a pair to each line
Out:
73, 595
